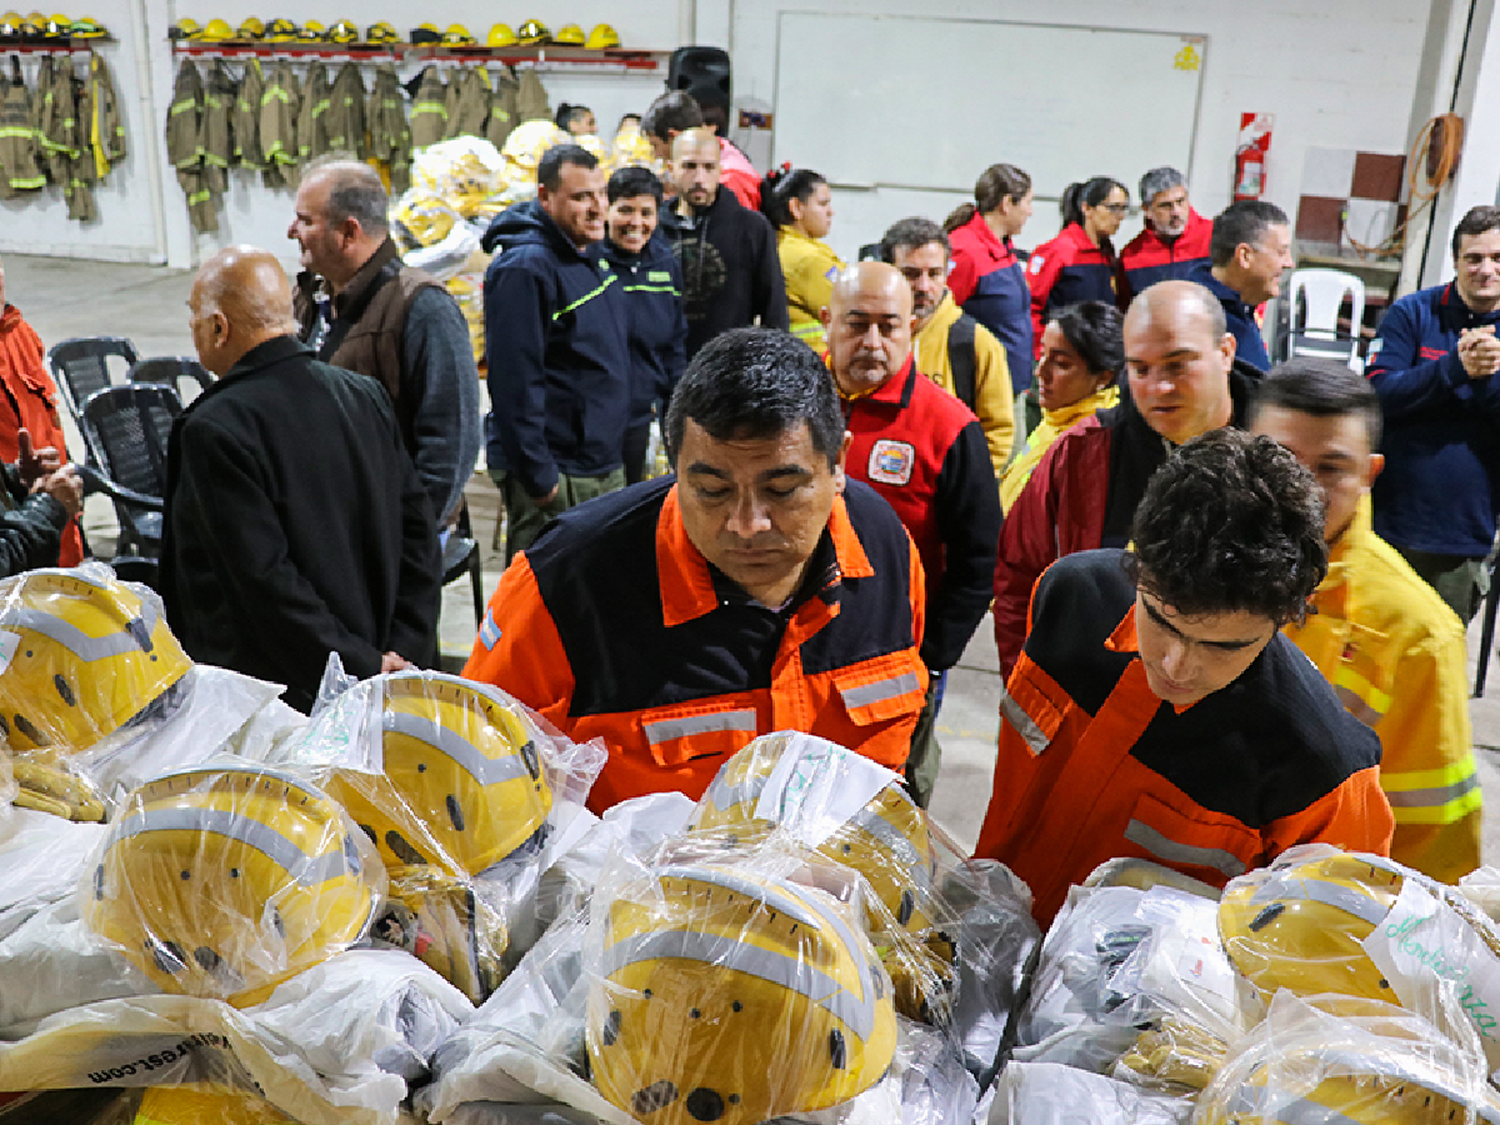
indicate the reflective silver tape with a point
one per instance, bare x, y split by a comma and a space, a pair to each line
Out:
665, 730
892, 688
74, 639
308, 870
453, 746
1357, 706
1336, 895
1174, 851
1022, 723
1428, 798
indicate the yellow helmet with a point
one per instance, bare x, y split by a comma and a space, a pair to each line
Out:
534, 33
528, 142
344, 31
281, 31
87, 655
224, 881
423, 220
312, 32
58, 26
464, 784
602, 38
10, 25
426, 33
251, 28
185, 28
215, 31
500, 36
382, 32
729, 997
458, 35
87, 27
569, 35
34, 26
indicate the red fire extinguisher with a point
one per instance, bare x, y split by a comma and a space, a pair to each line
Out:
1250, 155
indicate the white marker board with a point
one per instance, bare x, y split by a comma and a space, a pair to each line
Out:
929, 103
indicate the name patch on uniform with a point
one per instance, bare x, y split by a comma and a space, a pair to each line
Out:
891, 462
658, 275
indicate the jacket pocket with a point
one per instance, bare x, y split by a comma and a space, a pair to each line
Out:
686, 731
881, 689
1198, 843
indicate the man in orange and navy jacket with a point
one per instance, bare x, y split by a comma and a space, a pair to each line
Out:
1175, 238
1157, 711
925, 452
757, 591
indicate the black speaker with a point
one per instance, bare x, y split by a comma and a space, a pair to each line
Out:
702, 72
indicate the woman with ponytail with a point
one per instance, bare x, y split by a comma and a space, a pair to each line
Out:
800, 207
987, 278
1080, 264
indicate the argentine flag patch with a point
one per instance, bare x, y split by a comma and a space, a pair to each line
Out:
489, 632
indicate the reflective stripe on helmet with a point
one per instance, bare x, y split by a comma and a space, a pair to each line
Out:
667, 730
308, 870
893, 840
1348, 899
878, 692
1175, 851
79, 643
454, 746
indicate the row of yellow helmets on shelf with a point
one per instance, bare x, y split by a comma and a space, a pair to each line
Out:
532, 33
40, 28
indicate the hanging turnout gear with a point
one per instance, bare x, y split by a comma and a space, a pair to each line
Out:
19, 170
185, 146
429, 110
278, 126
344, 121
390, 135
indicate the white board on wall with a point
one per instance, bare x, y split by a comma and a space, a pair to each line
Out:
929, 103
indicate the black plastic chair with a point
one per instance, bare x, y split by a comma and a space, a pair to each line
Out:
81, 367
460, 556
128, 428
170, 371
131, 568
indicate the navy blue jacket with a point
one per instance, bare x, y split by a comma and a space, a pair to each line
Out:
1250, 345
655, 324
559, 362
1440, 488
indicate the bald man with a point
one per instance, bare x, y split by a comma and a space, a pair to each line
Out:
730, 268
360, 307
1183, 382
295, 524
925, 452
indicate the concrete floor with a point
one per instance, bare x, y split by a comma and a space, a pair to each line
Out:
63, 298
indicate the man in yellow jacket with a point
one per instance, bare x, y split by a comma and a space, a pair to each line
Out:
1393, 651
950, 347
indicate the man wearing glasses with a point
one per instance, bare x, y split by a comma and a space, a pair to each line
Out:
1175, 240
1250, 250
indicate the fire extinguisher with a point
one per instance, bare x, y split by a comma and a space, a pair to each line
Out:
1250, 155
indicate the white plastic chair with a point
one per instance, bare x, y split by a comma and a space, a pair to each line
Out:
1322, 293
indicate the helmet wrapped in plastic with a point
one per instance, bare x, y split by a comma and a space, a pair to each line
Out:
83, 654
725, 996
224, 881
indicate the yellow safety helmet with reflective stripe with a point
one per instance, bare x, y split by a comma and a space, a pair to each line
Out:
382, 32
569, 35
224, 881
10, 25
281, 31
458, 35
602, 37
500, 36
34, 26
312, 32
58, 26
343, 31
464, 784
251, 28
85, 656
534, 33
733, 997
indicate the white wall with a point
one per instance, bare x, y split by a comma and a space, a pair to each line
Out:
1338, 74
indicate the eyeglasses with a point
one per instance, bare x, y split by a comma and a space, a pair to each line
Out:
1117, 208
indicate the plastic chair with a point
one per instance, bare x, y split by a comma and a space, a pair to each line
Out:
80, 367
169, 371
128, 428
1322, 294
131, 568
461, 556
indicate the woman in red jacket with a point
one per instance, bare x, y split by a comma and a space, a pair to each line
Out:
986, 277
1080, 264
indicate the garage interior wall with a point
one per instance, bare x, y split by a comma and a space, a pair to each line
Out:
1343, 74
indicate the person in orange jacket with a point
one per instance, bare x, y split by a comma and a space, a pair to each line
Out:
757, 590
30, 404
1157, 712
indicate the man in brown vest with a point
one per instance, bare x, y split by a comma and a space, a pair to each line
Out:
361, 308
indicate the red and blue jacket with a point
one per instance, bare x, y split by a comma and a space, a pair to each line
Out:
1065, 271
1149, 258
925, 452
988, 281
1440, 488
1239, 319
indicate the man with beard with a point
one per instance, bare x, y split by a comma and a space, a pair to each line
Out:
1175, 239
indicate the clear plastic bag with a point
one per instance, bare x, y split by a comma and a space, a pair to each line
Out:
224, 880
1044, 1093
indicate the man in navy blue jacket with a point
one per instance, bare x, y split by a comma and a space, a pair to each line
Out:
555, 343
1250, 249
656, 327
1433, 366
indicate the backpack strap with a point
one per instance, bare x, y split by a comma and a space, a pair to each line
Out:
961, 358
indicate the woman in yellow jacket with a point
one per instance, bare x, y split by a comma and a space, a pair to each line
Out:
1083, 355
800, 207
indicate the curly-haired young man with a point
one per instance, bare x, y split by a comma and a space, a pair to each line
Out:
1156, 712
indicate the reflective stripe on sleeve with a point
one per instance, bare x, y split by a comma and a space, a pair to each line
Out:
667, 730
1022, 723
866, 695
1439, 796
1174, 851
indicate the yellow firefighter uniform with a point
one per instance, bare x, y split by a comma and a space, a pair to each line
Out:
810, 267
994, 403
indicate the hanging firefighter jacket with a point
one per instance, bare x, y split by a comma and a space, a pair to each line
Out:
531, 98
185, 146
18, 143
390, 135
279, 107
246, 120
502, 108
429, 111
104, 129
345, 119
470, 97
219, 98
82, 172
312, 124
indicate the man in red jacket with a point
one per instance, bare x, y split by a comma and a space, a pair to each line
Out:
1175, 238
924, 451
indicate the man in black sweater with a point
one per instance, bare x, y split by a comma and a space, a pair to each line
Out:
296, 524
730, 269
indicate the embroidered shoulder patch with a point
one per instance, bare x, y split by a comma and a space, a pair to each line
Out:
1035, 265
891, 462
